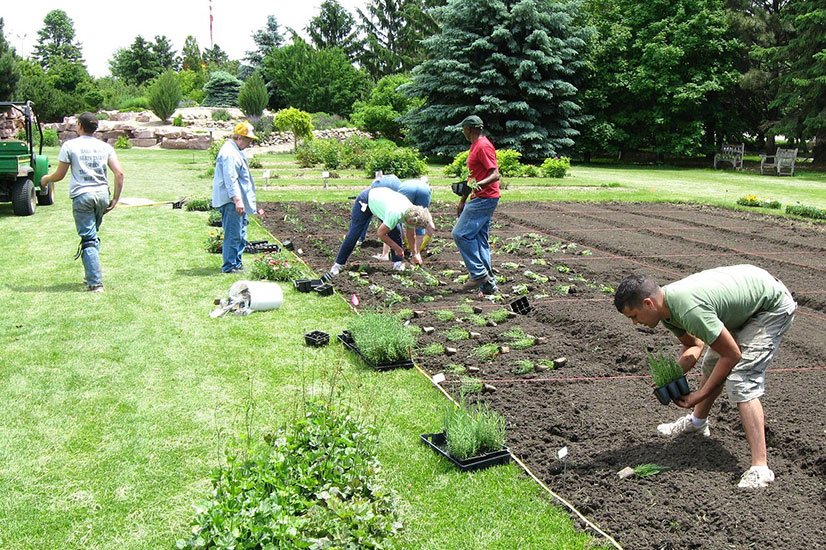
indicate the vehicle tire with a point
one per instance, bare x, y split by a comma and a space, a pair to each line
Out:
47, 198
23, 197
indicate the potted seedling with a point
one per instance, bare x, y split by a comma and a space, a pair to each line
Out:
668, 377
473, 437
381, 340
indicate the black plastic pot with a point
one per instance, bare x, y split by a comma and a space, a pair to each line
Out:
347, 339
288, 244
306, 285
682, 383
257, 247
317, 339
521, 306
438, 442
674, 390
460, 188
325, 289
663, 395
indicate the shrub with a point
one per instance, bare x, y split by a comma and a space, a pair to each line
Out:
356, 150
296, 121
214, 148
178, 121
508, 161
381, 337
555, 167
315, 479
325, 121
806, 211
263, 126
473, 430
164, 95
221, 90
277, 266
50, 138
458, 168
122, 143
330, 153
253, 96
221, 115
405, 162
531, 171
94, 99
663, 369
134, 104
102, 115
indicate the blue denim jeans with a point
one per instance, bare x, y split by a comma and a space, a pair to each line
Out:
471, 236
359, 223
87, 210
235, 237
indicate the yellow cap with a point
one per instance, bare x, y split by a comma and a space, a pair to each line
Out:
245, 129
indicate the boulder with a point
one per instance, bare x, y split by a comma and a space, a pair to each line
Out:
143, 142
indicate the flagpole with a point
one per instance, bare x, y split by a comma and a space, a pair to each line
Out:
211, 45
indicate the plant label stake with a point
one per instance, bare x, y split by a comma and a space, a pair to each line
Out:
325, 176
438, 378
562, 454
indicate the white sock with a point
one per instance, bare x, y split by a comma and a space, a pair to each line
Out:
698, 422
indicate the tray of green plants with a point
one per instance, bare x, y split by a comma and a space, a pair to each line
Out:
380, 340
668, 378
257, 247
473, 437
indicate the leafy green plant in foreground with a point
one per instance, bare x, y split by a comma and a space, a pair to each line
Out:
663, 369
277, 266
312, 484
381, 337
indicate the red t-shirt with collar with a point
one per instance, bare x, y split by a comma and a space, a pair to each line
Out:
480, 161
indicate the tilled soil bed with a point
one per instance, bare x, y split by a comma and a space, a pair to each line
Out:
566, 259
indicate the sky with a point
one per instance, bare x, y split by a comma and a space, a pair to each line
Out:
102, 28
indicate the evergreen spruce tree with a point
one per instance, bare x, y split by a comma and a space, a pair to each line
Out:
56, 40
221, 90
253, 97
164, 95
510, 62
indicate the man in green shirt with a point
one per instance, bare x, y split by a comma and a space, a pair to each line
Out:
741, 312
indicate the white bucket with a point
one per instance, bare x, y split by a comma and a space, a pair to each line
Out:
264, 295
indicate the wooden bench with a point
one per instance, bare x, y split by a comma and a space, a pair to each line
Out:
732, 154
781, 163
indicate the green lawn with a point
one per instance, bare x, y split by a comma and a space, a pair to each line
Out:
117, 406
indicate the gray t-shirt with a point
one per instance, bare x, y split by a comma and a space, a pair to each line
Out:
703, 303
88, 158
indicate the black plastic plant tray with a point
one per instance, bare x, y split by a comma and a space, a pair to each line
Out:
521, 306
307, 285
258, 247
325, 289
438, 443
317, 339
350, 344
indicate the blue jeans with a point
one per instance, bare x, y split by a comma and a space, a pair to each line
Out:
87, 210
235, 237
359, 223
471, 236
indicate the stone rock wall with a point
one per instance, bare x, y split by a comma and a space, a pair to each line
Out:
144, 129
11, 122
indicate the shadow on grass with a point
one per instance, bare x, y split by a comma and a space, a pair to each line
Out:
62, 287
199, 272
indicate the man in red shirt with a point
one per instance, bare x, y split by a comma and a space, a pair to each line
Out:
475, 212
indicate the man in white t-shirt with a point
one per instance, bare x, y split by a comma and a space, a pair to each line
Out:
88, 158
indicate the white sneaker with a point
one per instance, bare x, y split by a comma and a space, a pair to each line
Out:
381, 256
398, 266
756, 477
336, 269
683, 426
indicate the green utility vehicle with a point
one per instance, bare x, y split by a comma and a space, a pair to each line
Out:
21, 169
